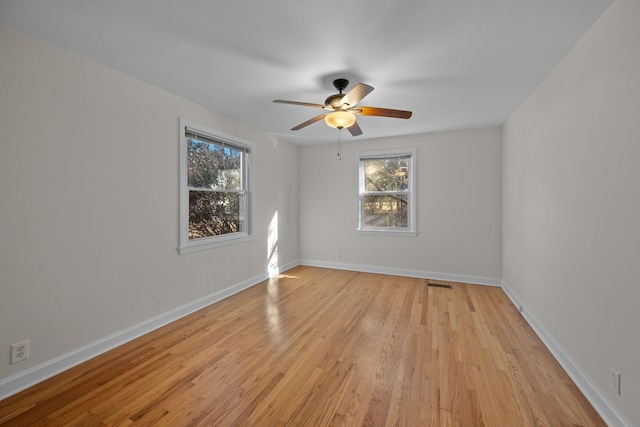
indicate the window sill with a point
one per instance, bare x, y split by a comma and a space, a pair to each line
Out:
216, 243
399, 233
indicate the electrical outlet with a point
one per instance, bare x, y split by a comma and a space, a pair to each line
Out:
615, 381
19, 351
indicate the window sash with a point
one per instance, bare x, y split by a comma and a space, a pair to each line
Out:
384, 156
241, 189
407, 193
223, 145
213, 190
384, 193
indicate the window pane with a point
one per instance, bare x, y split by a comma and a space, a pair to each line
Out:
213, 214
385, 211
213, 165
389, 174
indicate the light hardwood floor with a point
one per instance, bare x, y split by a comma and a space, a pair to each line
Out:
321, 347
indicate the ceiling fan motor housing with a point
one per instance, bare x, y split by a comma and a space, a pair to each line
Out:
335, 100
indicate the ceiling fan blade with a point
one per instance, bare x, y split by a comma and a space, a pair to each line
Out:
356, 94
308, 122
306, 104
354, 129
383, 112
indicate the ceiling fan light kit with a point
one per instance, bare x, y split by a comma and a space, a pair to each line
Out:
343, 109
340, 119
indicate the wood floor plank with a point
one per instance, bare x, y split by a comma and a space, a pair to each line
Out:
320, 347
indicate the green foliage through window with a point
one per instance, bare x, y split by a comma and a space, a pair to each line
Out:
216, 188
385, 192
386, 174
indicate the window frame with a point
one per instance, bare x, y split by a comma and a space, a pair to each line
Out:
187, 245
410, 230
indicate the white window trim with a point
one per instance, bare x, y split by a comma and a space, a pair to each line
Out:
187, 246
410, 231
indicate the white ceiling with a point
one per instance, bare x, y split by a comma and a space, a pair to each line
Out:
457, 64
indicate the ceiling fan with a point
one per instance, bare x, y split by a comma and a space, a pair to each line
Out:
342, 108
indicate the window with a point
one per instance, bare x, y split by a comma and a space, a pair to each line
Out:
386, 202
214, 188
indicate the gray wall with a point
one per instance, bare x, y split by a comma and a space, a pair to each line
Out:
572, 204
458, 206
89, 203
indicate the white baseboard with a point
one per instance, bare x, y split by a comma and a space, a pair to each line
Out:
25, 379
476, 280
610, 415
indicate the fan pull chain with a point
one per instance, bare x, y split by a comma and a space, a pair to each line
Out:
339, 143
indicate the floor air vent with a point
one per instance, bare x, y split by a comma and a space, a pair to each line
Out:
438, 285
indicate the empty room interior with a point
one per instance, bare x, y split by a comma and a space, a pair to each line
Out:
437, 222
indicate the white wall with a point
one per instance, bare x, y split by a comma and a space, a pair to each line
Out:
458, 210
89, 203
572, 204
